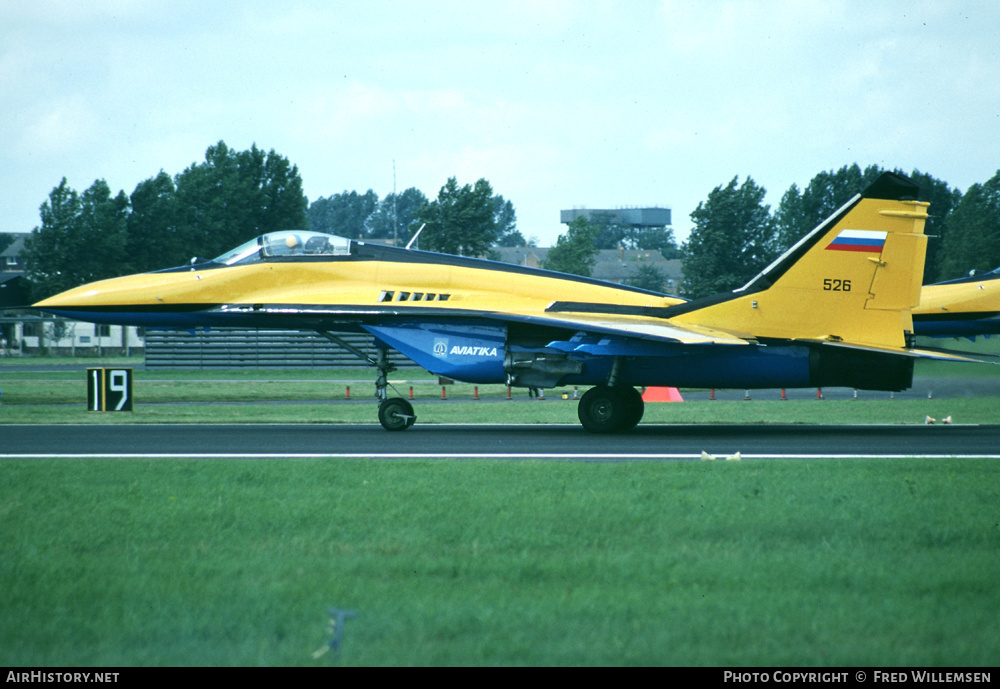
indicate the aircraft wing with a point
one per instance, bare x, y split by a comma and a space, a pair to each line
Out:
597, 334
647, 329
670, 333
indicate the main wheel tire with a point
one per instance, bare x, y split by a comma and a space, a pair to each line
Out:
396, 414
635, 407
603, 410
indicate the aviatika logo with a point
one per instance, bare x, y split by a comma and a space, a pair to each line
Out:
473, 351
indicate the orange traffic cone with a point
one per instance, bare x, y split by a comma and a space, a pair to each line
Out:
660, 394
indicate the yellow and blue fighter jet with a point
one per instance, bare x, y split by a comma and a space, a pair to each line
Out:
966, 307
834, 310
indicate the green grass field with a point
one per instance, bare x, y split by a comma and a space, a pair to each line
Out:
236, 562
166, 562
320, 396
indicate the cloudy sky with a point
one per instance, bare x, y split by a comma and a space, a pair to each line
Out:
558, 104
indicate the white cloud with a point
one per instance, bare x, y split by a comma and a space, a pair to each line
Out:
64, 126
556, 103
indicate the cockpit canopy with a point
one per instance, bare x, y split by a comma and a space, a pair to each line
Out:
974, 276
290, 243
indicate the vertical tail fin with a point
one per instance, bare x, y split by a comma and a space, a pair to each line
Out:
852, 280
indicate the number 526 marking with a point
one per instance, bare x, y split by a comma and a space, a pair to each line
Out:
833, 285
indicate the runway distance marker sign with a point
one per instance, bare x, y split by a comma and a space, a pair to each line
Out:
109, 389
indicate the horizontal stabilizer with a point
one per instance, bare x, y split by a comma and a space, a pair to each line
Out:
940, 355
948, 355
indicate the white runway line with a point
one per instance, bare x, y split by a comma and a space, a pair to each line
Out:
472, 455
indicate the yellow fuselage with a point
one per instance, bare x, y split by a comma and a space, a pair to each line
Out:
960, 308
342, 282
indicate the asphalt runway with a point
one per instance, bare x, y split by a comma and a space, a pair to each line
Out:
645, 443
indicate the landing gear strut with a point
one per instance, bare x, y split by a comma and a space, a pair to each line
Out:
395, 414
605, 409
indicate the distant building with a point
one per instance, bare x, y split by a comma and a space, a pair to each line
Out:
25, 332
34, 335
651, 216
528, 256
10, 258
13, 288
613, 265
621, 266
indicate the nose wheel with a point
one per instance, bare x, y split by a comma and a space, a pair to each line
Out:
396, 414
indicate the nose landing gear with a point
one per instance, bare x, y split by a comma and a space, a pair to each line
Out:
394, 413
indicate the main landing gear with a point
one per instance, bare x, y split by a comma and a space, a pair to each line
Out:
606, 409
611, 408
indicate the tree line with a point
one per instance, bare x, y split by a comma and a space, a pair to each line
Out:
234, 196
735, 235
231, 198
205, 210
466, 220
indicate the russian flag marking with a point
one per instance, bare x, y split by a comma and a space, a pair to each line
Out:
870, 241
